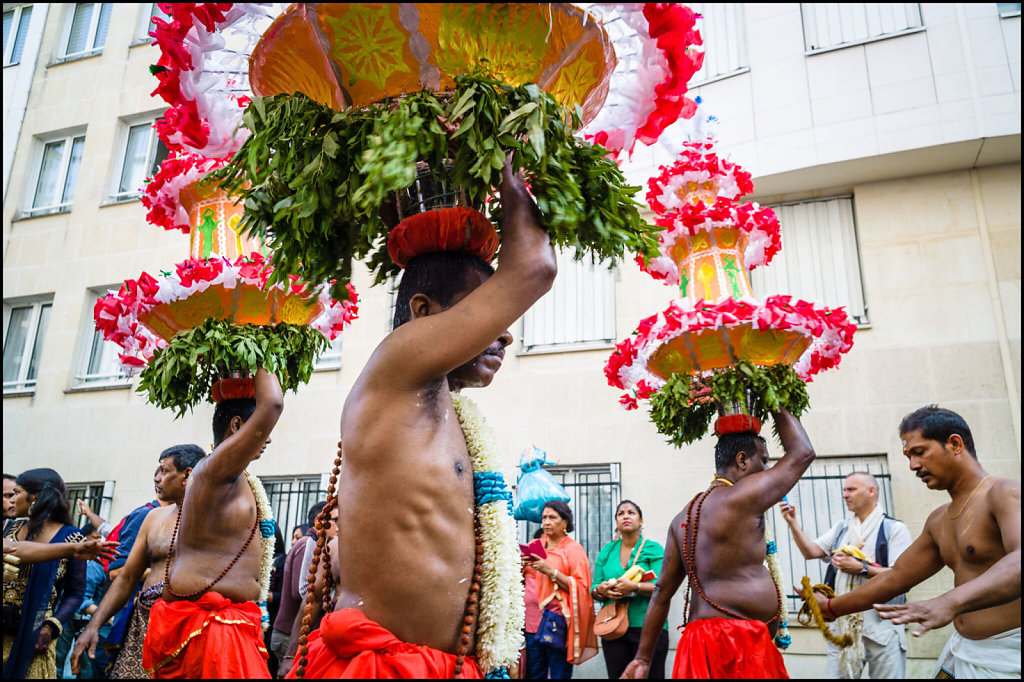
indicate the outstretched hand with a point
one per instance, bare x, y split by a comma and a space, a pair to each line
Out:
96, 549
931, 614
636, 670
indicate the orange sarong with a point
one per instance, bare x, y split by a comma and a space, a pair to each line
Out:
211, 637
720, 648
349, 645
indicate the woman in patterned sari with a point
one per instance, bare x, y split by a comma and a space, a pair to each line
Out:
40, 599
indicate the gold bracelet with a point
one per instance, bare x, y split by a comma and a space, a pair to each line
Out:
553, 576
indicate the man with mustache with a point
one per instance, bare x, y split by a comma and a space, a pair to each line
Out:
145, 564
406, 495
976, 534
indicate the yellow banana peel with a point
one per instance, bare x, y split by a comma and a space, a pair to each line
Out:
854, 552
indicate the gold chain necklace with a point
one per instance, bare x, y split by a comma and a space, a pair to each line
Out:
953, 518
718, 479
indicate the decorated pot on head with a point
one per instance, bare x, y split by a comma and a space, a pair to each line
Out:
715, 340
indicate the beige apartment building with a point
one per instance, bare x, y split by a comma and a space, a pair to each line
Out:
887, 137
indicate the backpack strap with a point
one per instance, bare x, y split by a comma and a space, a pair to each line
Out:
830, 572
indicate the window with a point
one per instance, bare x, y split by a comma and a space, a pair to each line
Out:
57, 176
291, 498
147, 10
24, 330
85, 31
331, 358
594, 491
97, 495
98, 363
1006, 9
818, 498
140, 156
16, 22
819, 260
832, 25
579, 309
723, 28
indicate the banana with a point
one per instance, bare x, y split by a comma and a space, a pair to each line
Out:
633, 573
853, 551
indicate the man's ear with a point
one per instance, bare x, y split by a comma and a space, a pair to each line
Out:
187, 473
742, 461
235, 424
955, 443
421, 305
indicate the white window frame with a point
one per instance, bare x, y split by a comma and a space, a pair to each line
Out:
809, 15
12, 37
125, 126
575, 278
331, 358
88, 491
790, 258
724, 30
82, 379
147, 10
62, 205
90, 38
22, 384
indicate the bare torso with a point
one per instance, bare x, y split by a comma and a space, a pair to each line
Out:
158, 539
970, 544
730, 561
216, 521
406, 509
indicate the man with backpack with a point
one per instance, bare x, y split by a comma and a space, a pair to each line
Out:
857, 548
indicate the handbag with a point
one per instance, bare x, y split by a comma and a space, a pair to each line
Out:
612, 620
553, 629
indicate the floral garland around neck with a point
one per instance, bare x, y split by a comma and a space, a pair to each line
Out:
266, 520
502, 615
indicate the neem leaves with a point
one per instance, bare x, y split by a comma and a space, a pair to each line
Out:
181, 375
685, 420
317, 177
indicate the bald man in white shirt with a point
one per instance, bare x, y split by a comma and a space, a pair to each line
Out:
882, 539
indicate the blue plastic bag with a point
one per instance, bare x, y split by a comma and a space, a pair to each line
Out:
536, 486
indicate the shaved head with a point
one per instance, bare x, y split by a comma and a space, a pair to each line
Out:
865, 478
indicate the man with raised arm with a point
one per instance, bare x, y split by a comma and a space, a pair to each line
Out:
406, 496
976, 534
207, 624
145, 563
718, 542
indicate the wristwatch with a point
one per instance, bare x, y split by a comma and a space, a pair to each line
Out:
864, 568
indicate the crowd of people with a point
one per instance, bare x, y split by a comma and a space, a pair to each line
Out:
179, 587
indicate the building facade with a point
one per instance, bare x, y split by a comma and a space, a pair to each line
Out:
888, 140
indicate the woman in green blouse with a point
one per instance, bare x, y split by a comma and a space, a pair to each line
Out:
614, 560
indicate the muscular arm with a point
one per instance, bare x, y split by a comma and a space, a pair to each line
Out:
808, 547
233, 455
671, 577
411, 356
998, 585
759, 492
117, 595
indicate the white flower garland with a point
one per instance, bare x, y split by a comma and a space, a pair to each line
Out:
265, 514
782, 637
502, 614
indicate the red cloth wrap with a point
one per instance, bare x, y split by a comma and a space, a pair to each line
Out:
210, 638
720, 648
349, 645
459, 228
233, 389
737, 423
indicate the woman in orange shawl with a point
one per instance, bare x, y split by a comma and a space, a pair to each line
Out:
564, 587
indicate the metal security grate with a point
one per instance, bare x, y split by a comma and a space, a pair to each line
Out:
595, 490
291, 498
97, 495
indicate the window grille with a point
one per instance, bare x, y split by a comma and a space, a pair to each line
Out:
98, 362
829, 25
594, 491
24, 330
16, 23
141, 153
57, 176
723, 28
291, 498
818, 498
98, 496
819, 260
579, 308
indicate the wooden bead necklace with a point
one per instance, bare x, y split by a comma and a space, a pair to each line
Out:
472, 601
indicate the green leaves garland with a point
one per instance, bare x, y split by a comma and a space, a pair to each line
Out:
318, 177
181, 375
683, 409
